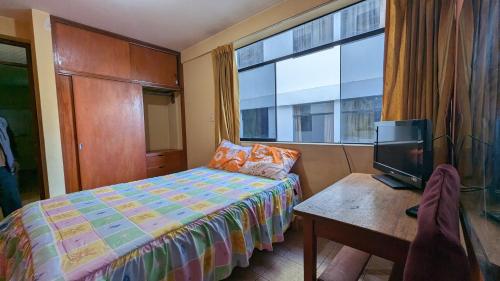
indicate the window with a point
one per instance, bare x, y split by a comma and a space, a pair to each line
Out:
361, 67
256, 122
313, 122
358, 117
258, 103
319, 82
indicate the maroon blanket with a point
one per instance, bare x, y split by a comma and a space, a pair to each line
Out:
436, 253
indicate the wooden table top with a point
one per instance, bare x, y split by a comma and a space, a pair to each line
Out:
363, 201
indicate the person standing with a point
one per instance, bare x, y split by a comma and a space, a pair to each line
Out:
10, 199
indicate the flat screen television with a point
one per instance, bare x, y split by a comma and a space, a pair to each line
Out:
403, 151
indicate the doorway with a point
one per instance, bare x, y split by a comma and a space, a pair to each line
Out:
18, 108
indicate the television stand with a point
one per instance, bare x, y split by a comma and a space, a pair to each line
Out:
391, 182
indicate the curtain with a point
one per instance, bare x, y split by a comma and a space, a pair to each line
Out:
227, 115
298, 112
477, 103
328, 127
419, 65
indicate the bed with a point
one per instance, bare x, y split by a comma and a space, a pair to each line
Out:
193, 225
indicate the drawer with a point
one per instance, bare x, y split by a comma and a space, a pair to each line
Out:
166, 162
157, 160
161, 171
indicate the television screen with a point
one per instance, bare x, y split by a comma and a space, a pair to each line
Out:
403, 150
400, 147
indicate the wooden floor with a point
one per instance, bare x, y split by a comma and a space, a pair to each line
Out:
26, 198
285, 262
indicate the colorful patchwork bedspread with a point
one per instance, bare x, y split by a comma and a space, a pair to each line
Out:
194, 225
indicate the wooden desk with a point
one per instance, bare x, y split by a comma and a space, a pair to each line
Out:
363, 213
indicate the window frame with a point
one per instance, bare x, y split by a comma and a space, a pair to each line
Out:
340, 42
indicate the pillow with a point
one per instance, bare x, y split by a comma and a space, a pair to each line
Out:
229, 156
270, 162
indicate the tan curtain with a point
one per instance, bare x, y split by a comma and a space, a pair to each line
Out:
477, 101
419, 64
227, 123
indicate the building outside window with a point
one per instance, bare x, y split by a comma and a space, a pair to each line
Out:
319, 82
313, 122
258, 103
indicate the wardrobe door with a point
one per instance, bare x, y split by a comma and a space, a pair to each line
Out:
83, 51
153, 66
68, 141
110, 131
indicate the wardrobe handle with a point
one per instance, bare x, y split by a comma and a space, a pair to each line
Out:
80, 146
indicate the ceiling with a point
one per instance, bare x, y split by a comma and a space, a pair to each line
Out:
174, 24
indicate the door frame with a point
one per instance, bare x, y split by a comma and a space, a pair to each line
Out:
36, 109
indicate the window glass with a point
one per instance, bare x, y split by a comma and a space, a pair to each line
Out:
360, 18
250, 55
308, 86
351, 21
357, 118
279, 45
318, 82
314, 122
361, 88
313, 34
258, 102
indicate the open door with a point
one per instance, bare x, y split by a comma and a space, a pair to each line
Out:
18, 106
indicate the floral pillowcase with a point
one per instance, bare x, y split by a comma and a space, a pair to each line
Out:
229, 156
258, 160
270, 162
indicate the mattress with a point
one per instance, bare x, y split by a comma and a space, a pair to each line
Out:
194, 225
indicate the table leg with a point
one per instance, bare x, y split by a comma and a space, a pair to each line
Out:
397, 272
310, 250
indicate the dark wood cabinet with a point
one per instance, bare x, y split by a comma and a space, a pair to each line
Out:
153, 66
83, 51
110, 131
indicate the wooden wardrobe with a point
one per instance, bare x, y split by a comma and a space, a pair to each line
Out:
100, 77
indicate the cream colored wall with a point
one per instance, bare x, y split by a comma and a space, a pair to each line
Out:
175, 119
199, 110
319, 166
33, 26
7, 26
18, 28
156, 118
45, 82
163, 122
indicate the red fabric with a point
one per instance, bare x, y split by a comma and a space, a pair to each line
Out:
436, 253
